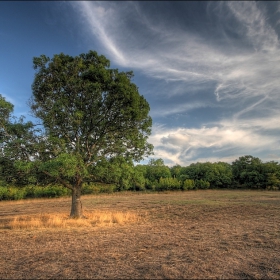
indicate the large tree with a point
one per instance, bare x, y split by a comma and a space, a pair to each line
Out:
89, 112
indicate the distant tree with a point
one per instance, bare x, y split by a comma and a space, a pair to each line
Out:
202, 184
115, 170
141, 168
140, 176
6, 108
271, 172
168, 184
17, 139
248, 171
156, 170
176, 171
89, 112
188, 184
217, 174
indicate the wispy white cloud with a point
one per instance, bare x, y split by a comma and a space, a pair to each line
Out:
180, 108
244, 76
95, 14
253, 22
187, 57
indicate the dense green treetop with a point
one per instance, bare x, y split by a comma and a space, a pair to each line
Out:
94, 110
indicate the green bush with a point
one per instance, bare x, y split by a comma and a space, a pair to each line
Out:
16, 193
137, 187
202, 184
150, 185
50, 191
165, 184
95, 188
90, 188
12, 193
188, 184
3, 193
108, 188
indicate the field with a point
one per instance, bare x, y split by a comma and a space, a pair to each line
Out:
197, 234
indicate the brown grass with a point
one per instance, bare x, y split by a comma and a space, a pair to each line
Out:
188, 235
62, 220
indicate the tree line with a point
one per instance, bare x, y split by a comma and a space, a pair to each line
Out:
119, 174
245, 172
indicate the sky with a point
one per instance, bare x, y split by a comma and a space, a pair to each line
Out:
209, 70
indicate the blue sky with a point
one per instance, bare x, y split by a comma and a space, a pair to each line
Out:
209, 70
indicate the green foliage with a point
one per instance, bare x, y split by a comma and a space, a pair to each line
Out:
117, 170
6, 108
90, 188
3, 193
96, 188
168, 184
202, 184
50, 191
271, 171
16, 193
97, 111
248, 171
218, 174
156, 170
176, 171
18, 141
188, 184
64, 166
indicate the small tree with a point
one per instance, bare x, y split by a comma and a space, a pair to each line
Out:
89, 112
248, 171
168, 184
202, 184
188, 184
156, 170
17, 139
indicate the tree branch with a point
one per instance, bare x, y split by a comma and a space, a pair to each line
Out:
60, 180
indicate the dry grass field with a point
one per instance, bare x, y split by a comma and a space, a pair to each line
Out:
190, 235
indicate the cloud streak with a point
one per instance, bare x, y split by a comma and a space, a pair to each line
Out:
238, 68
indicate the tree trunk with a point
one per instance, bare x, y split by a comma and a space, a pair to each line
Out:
76, 208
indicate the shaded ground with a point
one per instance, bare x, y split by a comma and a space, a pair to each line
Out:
199, 234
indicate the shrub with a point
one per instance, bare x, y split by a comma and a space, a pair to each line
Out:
48, 191
3, 193
202, 184
108, 188
188, 184
139, 187
12, 193
168, 184
90, 188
